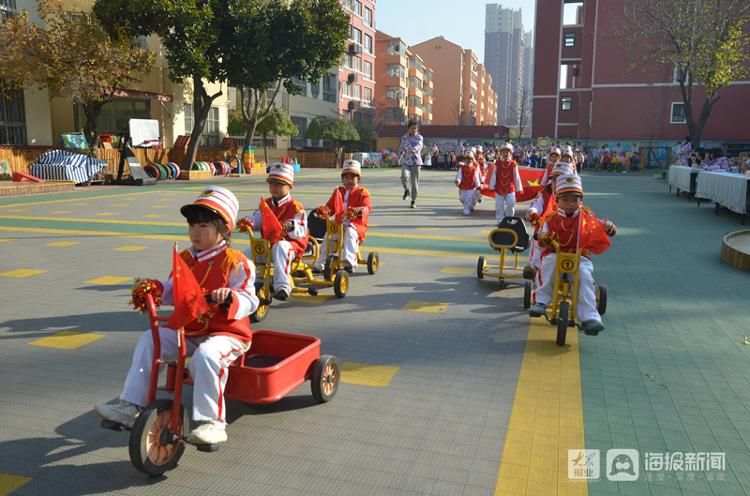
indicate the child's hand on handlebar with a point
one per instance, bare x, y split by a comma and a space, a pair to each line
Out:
221, 296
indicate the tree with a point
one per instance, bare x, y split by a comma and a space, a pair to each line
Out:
524, 110
73, 56
706, 41
341, 131
277, 123
268, 44
189, 31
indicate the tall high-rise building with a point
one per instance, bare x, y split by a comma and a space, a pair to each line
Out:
504, 57
462, 89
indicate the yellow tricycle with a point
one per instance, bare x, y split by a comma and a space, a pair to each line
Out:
325, 228
509, 239
561, 311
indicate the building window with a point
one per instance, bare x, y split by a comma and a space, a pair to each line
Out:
367, 69
210, 136
368, 96
355, 34
368, 43
570, 40
394, 93
566, 103
358, 7
368, 17
569, 74
396, 70
12, 118
677, 115
573, 13
7, 8
115, 115
356, 91
329, 87
299, 140
396, 47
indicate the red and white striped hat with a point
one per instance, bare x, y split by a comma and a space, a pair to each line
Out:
562, 169
282, 172
569, 183
219, 200
507, 146
352, 167
554, 150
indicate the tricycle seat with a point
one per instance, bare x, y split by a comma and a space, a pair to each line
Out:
316, 225
503, 237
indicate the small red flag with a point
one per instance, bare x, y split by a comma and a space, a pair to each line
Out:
336, 204
593, 234
187, 294
549, 209
271, 229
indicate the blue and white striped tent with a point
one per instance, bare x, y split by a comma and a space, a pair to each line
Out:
62, 165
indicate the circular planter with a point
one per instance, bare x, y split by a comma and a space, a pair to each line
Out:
735, 249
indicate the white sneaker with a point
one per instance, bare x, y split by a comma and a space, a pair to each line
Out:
211, 432
122, 412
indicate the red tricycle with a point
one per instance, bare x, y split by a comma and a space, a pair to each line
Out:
274, 366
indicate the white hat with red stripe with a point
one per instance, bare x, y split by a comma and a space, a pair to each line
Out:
554, 150
281, 172
352, 167
562, 169
219, 200
569, 183
507, 146
567, 152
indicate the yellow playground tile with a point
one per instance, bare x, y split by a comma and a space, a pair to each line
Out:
17, 210
63, 243
462, 271
21, 273
67, 340
131, 248
119, 205
61, 212
367, 374
9, 483
80, 204
447, 218
158, 206
4, 240
428, 229
106, 214
153, 216
425, 306
109, 280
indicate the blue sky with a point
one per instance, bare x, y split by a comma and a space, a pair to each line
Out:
460, 21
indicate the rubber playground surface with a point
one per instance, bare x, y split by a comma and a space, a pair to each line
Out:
448, 386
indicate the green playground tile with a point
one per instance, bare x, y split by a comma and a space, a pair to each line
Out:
618, 419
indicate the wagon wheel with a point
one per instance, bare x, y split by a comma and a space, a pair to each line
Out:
527, 294
601, 299
153, 448
341, 283
325, 378
331, 267
481, 267
373, 263
264, 296
562, 323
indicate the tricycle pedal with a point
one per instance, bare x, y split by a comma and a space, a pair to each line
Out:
312, 291
113, 426
208, 448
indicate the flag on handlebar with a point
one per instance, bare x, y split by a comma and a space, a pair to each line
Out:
336, 205
271, 229
594, 236
187, 294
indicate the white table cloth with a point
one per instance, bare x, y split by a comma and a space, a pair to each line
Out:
727, 189
679, 177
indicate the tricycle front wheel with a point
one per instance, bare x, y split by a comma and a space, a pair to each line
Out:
264, 297
153, 447
325, 378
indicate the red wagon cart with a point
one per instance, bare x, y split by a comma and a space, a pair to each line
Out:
276, 364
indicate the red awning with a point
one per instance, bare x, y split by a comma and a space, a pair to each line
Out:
142, 95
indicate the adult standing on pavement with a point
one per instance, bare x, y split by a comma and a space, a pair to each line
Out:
410, 158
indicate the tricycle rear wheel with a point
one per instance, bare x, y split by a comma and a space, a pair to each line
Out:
527, 294
481, 266
325, 378
601, 299
373, 263
341, 283
153, 448
331, 267
562, 322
